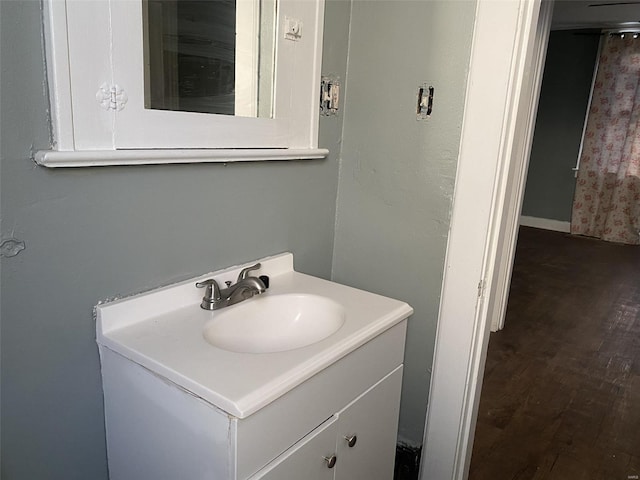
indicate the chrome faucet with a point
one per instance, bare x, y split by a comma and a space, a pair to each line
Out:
245, 287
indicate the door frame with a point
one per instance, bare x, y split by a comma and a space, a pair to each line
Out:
511, 194
507, 60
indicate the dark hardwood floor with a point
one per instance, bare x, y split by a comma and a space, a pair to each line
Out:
561, 391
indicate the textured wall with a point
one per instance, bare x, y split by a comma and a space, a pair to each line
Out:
566, 85
95, 233
92, 234
397, 174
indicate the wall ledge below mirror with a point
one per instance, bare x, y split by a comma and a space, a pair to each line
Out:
102, 158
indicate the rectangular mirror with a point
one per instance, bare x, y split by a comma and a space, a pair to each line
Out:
210, 56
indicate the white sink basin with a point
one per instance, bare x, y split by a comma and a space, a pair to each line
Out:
166, 332
276, 323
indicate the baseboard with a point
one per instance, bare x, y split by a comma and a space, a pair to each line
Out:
407, 462
545, 224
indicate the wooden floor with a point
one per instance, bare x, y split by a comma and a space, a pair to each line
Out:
561, 391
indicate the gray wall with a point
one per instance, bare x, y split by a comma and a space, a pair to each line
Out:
566, 85
397, 174
95, 233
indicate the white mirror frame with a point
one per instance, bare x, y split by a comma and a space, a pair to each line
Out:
85, 53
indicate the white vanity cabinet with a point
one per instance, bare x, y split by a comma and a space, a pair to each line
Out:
158, 431
356, 443
373, 421
177, 407
312, 458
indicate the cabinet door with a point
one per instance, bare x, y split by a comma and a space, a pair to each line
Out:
370, 426
306, 459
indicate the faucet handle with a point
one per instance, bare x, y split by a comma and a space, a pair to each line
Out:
244, 273
212, 295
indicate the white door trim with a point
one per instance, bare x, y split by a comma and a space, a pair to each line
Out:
524, 107
506, 39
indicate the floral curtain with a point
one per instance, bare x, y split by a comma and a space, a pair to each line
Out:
607, 199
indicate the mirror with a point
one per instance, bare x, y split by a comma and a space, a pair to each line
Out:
210, 56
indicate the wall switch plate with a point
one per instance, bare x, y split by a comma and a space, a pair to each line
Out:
425, 102
329, 95
292, 29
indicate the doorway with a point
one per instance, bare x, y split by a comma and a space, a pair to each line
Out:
483, 209
575, 315
564, 100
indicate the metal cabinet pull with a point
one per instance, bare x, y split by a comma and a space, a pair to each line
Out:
351, 440
331, 461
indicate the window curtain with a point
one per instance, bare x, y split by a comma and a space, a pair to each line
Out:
607, 199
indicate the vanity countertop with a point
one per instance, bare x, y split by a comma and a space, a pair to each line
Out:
162, 330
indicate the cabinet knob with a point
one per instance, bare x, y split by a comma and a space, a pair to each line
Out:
331, 461
351, 440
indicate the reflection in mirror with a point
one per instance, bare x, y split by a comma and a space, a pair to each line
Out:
210, 56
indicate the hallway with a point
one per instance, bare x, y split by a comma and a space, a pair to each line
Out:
561, 391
